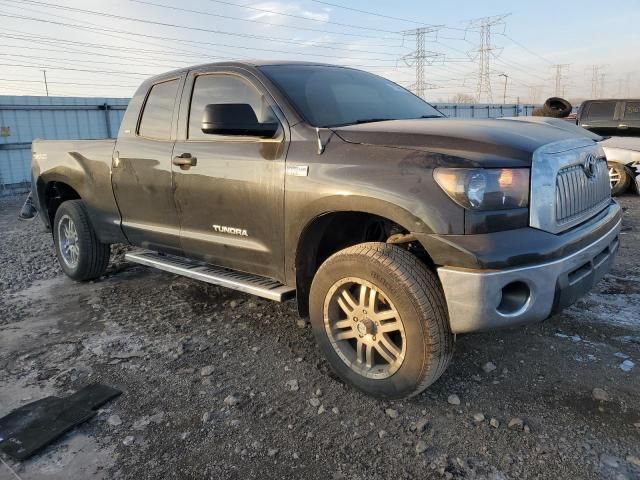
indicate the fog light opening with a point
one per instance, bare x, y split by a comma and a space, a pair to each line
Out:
515, 297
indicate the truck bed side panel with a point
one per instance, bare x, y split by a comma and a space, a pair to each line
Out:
85, 166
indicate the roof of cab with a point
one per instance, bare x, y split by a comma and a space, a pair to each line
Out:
237, 63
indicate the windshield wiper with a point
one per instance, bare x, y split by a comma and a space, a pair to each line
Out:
431, 116
371, 120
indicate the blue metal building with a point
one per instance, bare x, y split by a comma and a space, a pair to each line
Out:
25, 118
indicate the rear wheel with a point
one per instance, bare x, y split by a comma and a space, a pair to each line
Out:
380, 318
80, 254
619, 178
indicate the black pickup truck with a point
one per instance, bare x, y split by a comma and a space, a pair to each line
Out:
395, 228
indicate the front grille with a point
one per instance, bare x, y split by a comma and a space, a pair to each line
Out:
578, 195
562, 194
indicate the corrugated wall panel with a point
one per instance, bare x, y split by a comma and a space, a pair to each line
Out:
22, 122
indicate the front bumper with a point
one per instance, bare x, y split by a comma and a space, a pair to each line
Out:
489, 299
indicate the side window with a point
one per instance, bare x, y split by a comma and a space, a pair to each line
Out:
158, 111
224, 89
601, 111
632, 111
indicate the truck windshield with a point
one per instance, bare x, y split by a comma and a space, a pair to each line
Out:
328, 96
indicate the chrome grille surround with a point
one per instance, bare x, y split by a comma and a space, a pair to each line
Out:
562, 194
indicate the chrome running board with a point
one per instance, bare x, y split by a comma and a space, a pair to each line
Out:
225, 277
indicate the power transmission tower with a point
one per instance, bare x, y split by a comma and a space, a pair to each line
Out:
534, 93
627, 84
421, 57
595, 79
559, 77
484, 53
601, 91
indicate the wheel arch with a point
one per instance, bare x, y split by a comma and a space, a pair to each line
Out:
52, 195
331, 231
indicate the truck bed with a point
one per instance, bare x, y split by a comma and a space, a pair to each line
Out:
85, 167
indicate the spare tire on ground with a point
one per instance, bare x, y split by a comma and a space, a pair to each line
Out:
554, 107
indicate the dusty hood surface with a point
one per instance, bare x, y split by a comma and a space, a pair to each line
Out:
492, 142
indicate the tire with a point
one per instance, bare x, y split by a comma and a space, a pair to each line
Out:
555, 107
80, 254
423, 345
619, 178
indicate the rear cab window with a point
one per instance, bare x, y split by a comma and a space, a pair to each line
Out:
157, 113
601, 111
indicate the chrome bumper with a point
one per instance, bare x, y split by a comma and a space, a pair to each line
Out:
489, 299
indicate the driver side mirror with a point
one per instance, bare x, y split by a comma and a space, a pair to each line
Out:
235, 119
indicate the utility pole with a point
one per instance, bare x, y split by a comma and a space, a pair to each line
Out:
46, 85
559, 77
504, 93
484, 53
420, 57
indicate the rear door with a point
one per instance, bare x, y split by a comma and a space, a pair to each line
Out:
142, 180
231, 201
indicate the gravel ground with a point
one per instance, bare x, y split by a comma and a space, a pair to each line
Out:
218, 384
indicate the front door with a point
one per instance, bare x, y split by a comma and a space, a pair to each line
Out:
230, 199
141, 174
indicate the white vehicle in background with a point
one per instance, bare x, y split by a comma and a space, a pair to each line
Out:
623, 158
619, 121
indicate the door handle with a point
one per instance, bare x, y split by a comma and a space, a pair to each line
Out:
185, 161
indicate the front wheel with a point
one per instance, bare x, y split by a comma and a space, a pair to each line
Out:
379, 316
80, 254
619, 178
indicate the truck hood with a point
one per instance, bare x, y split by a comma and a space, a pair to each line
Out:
461, 142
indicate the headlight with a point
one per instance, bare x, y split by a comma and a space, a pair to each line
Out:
485, 188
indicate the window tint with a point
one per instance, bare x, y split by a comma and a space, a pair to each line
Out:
601, 111
224, 89
330, 96
632, 111
158, 111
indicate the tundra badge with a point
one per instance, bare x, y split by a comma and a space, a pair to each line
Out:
232, 230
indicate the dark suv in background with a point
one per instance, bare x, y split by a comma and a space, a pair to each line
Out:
620, 120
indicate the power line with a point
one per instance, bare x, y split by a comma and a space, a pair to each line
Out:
167, 24
367, 12
302, 17
267, 23
524, 48
92, 84
372, 13
208, 43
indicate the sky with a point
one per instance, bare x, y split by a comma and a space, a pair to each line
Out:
105, 49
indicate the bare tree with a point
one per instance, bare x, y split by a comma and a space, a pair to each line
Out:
463, 98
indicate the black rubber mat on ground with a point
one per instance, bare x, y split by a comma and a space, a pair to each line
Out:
33, 426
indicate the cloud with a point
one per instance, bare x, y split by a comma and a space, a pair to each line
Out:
287, 8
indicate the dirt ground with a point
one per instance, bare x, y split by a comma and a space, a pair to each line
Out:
221, 385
